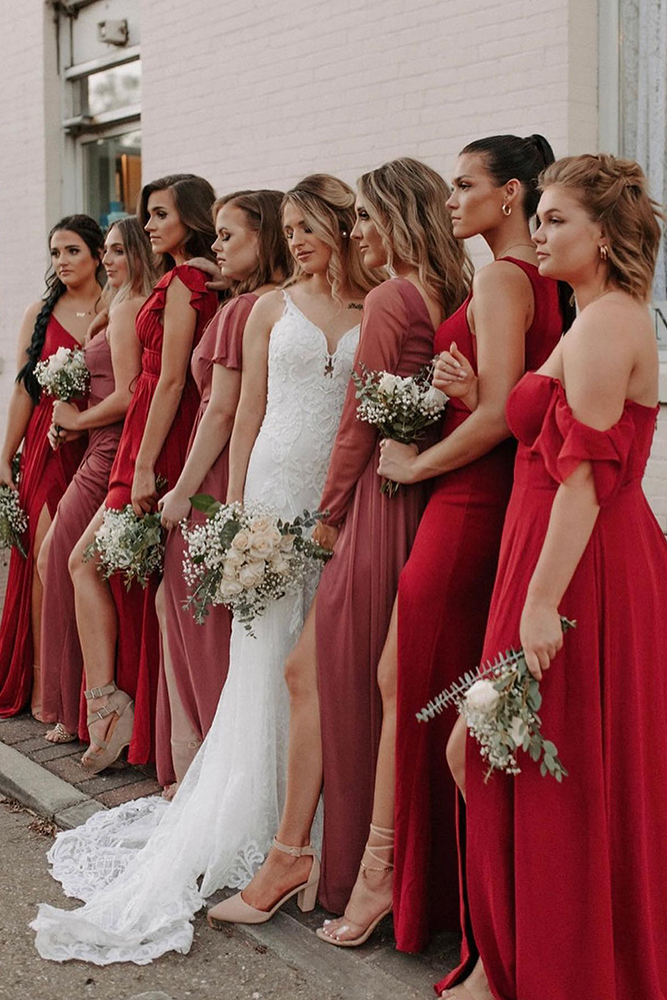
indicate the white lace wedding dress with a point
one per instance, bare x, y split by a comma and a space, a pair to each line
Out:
137, 866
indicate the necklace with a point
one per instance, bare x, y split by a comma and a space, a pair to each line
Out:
512, 246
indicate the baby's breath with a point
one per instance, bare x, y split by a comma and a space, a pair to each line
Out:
128, 544
13, 520
64, 375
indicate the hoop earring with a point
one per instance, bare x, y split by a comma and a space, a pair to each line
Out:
604, 252
506, 209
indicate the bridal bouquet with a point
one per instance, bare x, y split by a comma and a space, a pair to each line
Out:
500, 702
64, 375
245, 557
129, 543
399, 407
13, 519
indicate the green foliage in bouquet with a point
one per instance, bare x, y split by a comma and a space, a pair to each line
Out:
13, 519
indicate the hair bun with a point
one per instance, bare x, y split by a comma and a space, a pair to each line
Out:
542, 146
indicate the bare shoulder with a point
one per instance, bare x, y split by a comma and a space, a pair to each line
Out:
500, 276
32, 312
269, 307
614, 325
126, 310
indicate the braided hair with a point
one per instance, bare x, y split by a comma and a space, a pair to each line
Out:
89, 231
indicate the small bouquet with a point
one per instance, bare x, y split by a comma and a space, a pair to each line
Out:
64, 375
129, 543
500, 702
245, 557
399, 407
13, 519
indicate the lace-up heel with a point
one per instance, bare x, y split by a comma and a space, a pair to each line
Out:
235, 910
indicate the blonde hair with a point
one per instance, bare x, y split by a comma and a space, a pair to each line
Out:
328, 209
141, 264
614, 193
406, 200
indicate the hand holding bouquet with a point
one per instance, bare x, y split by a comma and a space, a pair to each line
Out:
500, 702
245, 557
400, 408
64, 375
13, 519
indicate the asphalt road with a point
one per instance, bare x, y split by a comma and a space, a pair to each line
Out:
217, 968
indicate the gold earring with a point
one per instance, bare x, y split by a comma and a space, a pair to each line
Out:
604, 252
507, 209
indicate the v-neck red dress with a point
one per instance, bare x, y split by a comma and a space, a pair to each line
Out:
45, 475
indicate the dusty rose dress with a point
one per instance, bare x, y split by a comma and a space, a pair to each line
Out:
358, 587
62, 662
199, 654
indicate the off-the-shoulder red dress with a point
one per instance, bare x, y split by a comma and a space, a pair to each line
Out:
443, 602
198, 654
358, 587
137, 655
566, 883
45, 475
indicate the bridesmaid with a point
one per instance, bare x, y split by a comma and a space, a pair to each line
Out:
580, 539
118, 630
509, 322
253, 258
401, 223
113, 356
61, 319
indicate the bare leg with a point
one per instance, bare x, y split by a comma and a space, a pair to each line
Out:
456, 754
280, 872
372, 892
43, 525
97, 622
185, 740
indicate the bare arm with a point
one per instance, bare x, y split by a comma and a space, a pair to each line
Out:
502, 310
252, 400
179, 322
20, 404
597, 363
126, 362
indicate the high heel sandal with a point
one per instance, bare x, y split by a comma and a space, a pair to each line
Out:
118, 703
384, 834
235, 910
59, 734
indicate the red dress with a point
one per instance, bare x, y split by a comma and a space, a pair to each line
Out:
358, 587
443, 602
137, 655
566, 882
199, 654
45, 475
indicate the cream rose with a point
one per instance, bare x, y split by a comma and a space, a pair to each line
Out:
252, 573
264, 543
482, 697
230, 588
261, 523
387, 383
286, 543
58, 360
229, 570
279, 564
433, 398
234, 557
241, 540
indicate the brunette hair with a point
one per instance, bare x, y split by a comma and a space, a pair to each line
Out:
406, 200
193, 197
141, 269
328, 209
262, 211
88, 230
510, 156
614, 193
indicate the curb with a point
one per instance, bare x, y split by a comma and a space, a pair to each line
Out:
45, 793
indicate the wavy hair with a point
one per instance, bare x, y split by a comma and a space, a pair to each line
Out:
88, 230
510, 156
193, 197
262, 210
328, 209
614, 193
141, 269
406, 200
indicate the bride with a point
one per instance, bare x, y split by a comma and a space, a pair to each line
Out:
137, 866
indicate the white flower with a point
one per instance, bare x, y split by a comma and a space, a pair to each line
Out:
388, 383
516, 730
279, 564
59, 359
262, 523
286, 543
234, 557
434, 399
230, 588
229, 570
264, 543
482, 697
252, 573
241, 540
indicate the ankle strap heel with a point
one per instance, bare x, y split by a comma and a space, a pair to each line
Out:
387, 866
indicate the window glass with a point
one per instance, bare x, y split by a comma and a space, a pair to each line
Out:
112, 176
110, 89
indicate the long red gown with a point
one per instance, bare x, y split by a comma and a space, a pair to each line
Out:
199, 654
45, 475
566, 883
358, 587
137, 654
443, 601
62, 661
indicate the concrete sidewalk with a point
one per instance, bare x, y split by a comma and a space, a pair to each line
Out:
49, 780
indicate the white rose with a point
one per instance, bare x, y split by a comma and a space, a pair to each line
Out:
262, 523
279, 564
252, 574
58, 360
516, 731
286, 543
482, 697
387, 383
234, 557
229, 570
230, 588
434, 399
241, 540
264, 543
